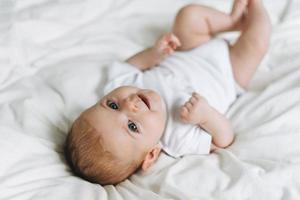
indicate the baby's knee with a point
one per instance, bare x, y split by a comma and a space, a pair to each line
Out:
190, 27
187, 17
189, 10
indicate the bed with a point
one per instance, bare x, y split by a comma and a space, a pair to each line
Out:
53, 55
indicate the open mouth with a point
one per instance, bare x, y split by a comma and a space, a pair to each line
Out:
145, 100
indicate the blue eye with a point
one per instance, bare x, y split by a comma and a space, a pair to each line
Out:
133, 127
112, 105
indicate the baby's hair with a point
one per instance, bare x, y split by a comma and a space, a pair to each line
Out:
88, 158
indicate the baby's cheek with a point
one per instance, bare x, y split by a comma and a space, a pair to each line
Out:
156, 124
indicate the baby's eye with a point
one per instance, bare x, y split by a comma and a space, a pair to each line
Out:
133, 127
112, 105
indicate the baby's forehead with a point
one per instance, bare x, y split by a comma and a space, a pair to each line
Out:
95, 124
103, 121
82, 127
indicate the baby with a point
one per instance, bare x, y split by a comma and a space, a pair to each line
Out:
182, 110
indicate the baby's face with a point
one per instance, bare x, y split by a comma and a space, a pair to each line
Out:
130, 120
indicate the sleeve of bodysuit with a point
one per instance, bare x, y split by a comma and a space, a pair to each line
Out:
120, 74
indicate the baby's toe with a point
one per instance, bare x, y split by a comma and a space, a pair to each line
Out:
184, 113
196, 95
193, 100
199, 99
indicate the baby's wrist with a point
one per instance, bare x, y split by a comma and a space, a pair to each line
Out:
157, 53
203, 120
205, 115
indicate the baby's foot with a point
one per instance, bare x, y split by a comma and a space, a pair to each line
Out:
194, 111
238, 10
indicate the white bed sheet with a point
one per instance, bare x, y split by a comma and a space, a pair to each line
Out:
53, 56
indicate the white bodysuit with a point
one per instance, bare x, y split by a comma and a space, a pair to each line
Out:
205, 69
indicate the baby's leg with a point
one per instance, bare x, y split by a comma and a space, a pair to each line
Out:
252, 45
195, 24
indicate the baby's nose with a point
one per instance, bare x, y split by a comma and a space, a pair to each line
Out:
133, 103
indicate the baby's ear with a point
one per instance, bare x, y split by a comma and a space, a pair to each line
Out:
151, 157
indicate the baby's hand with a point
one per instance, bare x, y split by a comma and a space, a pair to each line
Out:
167, 44
195, 110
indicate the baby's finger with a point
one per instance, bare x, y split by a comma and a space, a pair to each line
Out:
193, 100
168, 51
174, 39
173, 45
165, 42
183, 111
189, 106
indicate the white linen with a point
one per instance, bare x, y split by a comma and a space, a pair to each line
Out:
206, 70
52, 56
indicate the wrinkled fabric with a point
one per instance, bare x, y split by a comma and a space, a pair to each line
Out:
53, 55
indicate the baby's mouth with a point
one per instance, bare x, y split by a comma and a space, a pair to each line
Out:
145, 100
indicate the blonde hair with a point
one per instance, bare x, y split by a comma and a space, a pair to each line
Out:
88, 157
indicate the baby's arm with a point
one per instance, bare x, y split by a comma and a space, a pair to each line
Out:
152, 56
198, 111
